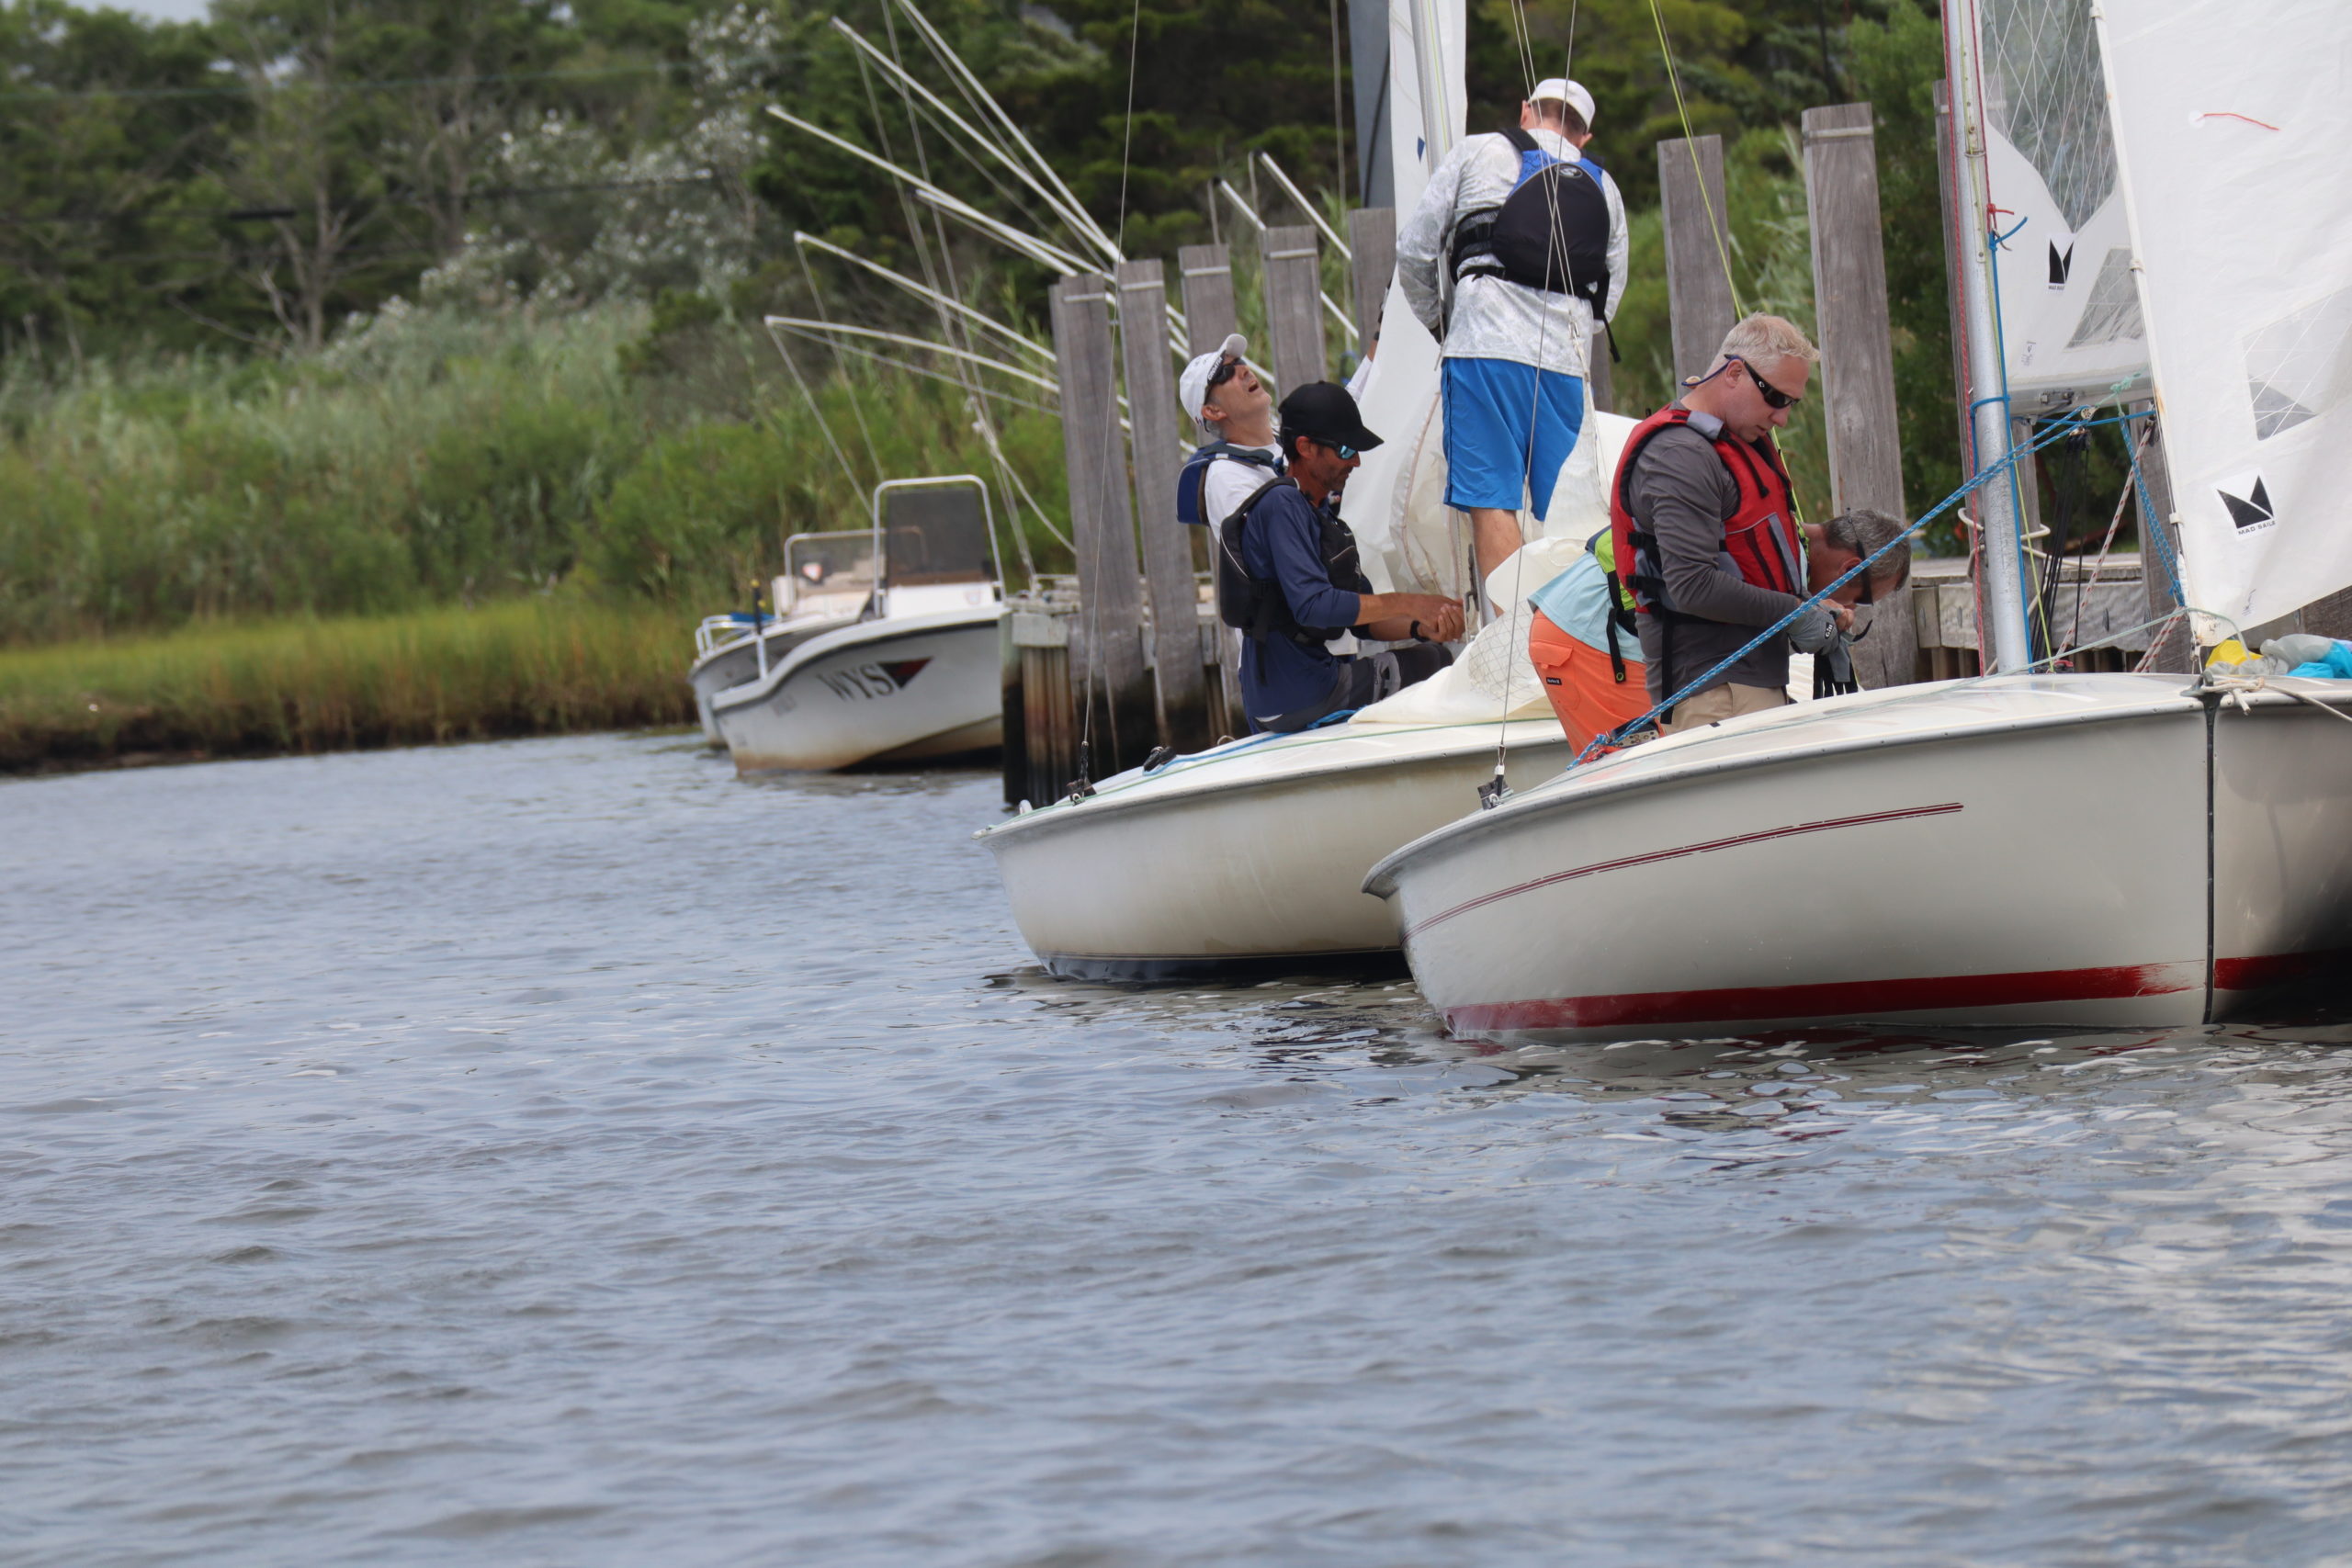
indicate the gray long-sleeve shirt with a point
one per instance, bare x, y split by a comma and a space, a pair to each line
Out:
1495, 319
1680, 491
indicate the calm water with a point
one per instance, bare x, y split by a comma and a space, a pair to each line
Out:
561, 1153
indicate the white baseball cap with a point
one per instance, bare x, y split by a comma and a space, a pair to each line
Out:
1192, 386
1560, 90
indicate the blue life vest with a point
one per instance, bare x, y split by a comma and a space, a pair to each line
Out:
1193, 480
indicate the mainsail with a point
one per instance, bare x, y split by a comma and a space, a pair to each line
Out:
2069, 319
1395, 500
2230, 123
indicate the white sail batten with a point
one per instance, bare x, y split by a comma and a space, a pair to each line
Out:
2069, 319
2231, 128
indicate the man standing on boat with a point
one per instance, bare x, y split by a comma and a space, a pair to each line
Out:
1287, 576
1704, 535
1528, 234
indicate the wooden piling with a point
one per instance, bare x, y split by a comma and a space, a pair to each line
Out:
1167, 547
1119, 719
1598, 379
1857, 354
1698, 241
1371, 234
1209, 317
1014, 702
1209, 314
1294, 306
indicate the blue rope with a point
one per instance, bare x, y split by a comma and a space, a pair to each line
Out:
1975, 481
2153, 525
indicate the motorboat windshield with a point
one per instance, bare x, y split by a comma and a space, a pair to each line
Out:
827, 574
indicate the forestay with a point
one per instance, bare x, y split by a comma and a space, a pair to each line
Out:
2231, 120
2070, 320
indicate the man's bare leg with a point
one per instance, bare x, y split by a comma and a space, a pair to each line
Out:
1494, 534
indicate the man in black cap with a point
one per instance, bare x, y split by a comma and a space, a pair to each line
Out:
1288, 576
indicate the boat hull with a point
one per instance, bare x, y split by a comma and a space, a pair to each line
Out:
920, 689
2040, 861
739, 662
1248, 858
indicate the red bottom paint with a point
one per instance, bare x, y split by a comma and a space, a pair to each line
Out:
1848, 999
1870, 999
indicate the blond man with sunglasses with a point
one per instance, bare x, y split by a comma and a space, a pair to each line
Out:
1704, 536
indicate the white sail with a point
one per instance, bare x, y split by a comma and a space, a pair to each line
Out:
2069, 320
1395, 500
2230, 123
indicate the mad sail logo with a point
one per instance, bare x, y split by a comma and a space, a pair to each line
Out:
864, 681
2248, 501
2061, 263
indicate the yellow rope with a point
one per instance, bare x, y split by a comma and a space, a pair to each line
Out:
1674, 80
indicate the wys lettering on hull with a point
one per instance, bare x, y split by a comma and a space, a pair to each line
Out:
866, 681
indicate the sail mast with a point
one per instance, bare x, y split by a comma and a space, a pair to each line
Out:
1996, 510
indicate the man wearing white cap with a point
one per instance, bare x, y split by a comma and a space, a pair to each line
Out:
1222, 396
1515, 255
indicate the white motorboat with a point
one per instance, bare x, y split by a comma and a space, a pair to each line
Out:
898, 658
827, 582
2092, 849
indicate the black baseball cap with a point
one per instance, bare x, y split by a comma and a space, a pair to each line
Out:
1322, 411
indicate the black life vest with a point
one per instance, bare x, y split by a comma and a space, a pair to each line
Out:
1550, 232
1191, 483
1257, 604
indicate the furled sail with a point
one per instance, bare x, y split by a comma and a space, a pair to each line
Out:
2231, 124
1395, 500
2069, 317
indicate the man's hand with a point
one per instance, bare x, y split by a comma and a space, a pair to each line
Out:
1392, 618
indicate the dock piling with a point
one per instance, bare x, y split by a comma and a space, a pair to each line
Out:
1371, 234
1294, 305
1167, 547
1697, 238
1102, 528
1857, 353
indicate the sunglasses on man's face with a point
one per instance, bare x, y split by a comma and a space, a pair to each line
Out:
1346, 453
1773, 396
1226, 370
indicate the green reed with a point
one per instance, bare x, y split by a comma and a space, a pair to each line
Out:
527, 667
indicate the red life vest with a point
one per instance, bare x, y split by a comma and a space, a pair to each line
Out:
1760, 535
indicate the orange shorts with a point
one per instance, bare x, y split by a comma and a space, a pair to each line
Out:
1582, 684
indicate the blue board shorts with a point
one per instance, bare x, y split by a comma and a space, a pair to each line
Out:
1509, 427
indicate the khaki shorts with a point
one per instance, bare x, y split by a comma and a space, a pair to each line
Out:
1718, 703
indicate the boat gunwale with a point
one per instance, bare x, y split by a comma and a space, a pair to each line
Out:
755, 691
1087, 811
774, 628
1380, 883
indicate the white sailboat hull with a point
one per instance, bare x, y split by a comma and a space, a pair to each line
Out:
1250, 856
904, 689
2025, 850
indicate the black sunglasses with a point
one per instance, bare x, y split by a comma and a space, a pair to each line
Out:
1224, 372
1773, 396
1345, 453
